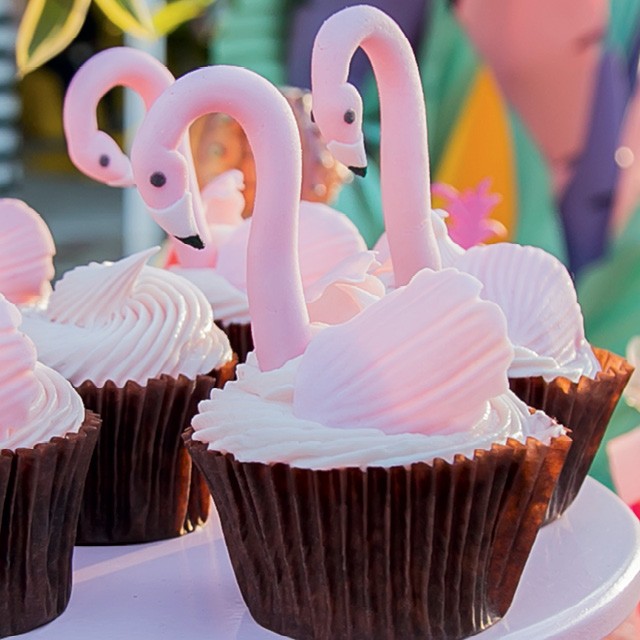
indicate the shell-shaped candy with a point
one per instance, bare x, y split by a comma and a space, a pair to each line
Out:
535, 292
18, 383
26, 253
427, 358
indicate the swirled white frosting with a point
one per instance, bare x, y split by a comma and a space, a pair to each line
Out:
126, 321
36, 403
55, 410
253, 419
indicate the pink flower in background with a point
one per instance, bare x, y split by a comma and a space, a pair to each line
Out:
469, 221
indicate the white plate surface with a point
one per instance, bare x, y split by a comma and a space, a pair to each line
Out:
581, 582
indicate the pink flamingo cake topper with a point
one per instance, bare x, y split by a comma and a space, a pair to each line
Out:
334, 262
26, 253
280, 320
549, 338
97, 155
337, 109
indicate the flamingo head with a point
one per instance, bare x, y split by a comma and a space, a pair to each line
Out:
338, 113
103, 160
162, 178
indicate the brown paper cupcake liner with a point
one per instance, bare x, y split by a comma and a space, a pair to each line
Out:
140, 486
430, 551
585, 408
240, 338
40, 496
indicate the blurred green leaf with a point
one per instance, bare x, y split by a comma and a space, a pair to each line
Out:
47, 27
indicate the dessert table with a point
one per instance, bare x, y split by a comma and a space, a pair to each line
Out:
582, 581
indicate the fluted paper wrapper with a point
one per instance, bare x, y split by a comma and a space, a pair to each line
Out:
430, 551
141, 485
40, 495
585, 408
240, 338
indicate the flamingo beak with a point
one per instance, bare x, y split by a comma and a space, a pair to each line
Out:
125, 180
353, 155
192, 241
178, 220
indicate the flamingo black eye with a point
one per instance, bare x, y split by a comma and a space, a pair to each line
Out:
349, 116
104, 160
158, 179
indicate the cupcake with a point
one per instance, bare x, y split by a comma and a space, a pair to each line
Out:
46, 442
554, 368
140, 346
400, 415
385, 483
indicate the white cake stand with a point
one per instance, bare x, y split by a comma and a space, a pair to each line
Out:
582, 581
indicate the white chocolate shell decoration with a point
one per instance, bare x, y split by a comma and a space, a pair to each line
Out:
389, 368
26, 253
537, 295
18, 383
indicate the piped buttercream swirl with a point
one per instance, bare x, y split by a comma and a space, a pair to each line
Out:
126, 321
36, 403
55, 410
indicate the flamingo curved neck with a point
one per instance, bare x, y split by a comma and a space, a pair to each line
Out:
142, 73
279, 317
405, 181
